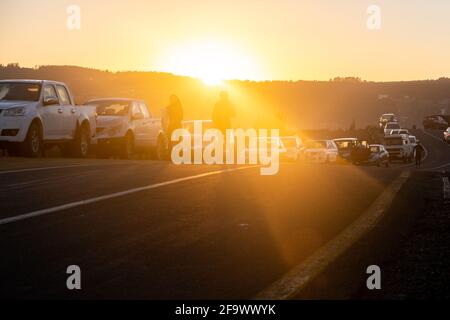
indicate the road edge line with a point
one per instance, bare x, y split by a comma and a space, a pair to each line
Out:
295, 280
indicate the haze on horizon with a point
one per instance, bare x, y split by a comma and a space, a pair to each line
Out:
256, 40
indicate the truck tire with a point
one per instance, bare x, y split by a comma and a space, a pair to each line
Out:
33, 145
81, 144
127, 147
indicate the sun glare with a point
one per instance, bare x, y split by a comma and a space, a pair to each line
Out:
211, 62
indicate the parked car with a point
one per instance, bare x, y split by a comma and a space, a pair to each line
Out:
345, 147
447, 135
385, 118
435, 122
378, 156
292, 148
399, 147
321, 151
126, 126
36, 114
391, 126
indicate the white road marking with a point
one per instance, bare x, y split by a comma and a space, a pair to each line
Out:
47, 168
114, 195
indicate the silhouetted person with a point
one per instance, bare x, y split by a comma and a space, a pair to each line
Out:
418, 150
172, 117
222, 113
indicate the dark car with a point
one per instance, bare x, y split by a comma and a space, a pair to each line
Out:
435, 122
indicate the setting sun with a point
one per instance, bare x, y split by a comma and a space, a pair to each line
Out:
212, 62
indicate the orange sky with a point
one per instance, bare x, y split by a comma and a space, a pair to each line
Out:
244, 39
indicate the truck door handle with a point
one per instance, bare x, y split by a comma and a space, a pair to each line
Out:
60, 110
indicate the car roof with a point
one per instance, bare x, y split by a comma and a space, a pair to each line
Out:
113, 99
395, 136
33, 81
346, 139
192, 121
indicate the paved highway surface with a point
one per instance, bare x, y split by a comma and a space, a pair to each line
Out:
154, 230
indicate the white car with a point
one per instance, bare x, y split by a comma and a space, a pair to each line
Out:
385, 118
291, 148
391, 126
126, 126
321, 151
39, 113
399, 147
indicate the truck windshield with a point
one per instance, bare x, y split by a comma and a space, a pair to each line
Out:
345, 144
112, 108
392, 126
19, 91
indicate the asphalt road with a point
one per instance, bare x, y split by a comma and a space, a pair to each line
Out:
185, 234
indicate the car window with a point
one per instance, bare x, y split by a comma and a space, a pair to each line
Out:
136, 109
63, 95
49, 91
16, 91
111, 108
144, 110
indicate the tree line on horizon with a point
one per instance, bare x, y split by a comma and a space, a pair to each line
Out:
335, 104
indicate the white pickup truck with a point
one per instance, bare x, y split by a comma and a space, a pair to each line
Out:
35, 114
126, 126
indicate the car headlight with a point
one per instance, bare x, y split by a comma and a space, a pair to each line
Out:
14, 112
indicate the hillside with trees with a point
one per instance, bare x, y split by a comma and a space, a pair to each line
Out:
334, 104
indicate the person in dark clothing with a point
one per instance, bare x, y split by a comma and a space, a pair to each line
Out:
418, 151
223, 113
172, 117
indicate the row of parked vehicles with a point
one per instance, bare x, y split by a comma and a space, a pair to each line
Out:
38, 114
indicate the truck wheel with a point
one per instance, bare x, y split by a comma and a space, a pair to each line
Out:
33, 145
80, 148
127, 148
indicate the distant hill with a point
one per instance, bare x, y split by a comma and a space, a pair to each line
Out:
330, 104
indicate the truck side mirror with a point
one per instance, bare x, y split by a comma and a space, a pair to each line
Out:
49, 101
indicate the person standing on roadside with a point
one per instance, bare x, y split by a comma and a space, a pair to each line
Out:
223, 113
418, 151
172, 118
